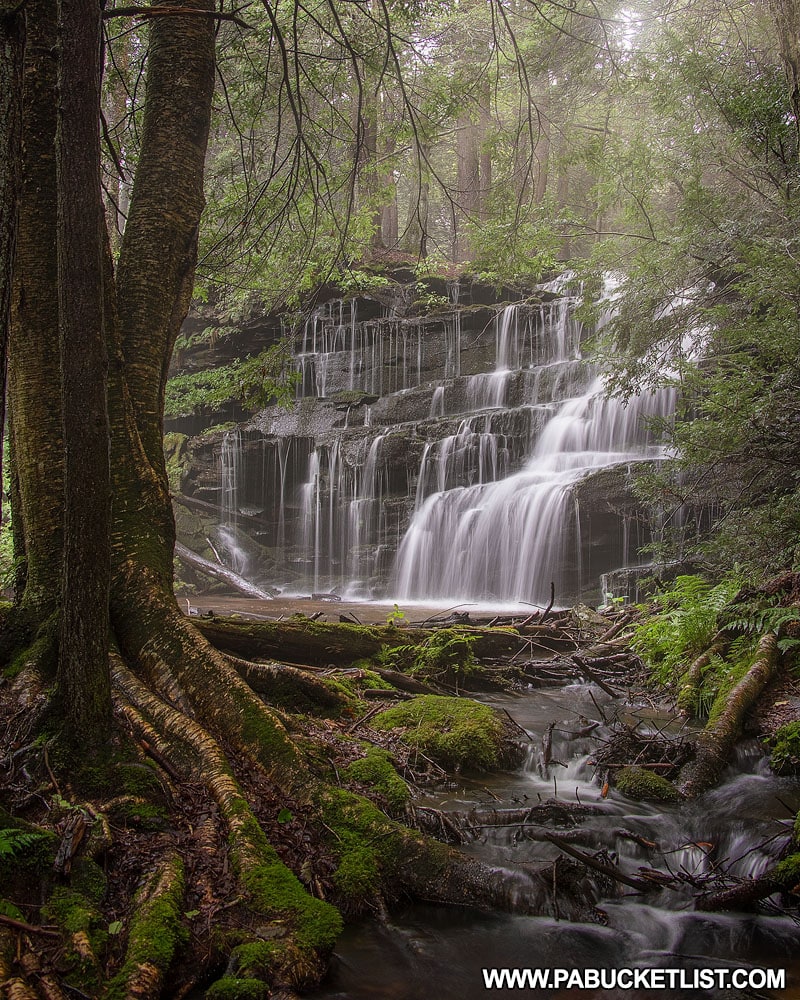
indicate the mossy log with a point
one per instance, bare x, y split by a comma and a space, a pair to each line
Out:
715, 744
689, 694
338, 643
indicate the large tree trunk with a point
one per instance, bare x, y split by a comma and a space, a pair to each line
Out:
12, 47
83, 676
34, 372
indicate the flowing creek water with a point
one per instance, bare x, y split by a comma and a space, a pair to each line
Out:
424, 950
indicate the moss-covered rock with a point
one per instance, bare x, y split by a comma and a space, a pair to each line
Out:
785, 756
455, 732
177, 459
787, 872
377, 772
230, 988
639, 783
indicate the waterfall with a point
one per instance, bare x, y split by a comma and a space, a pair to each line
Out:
507, 540
442, 456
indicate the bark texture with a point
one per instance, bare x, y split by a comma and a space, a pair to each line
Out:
12, 47
83, 676
34, 371
715, 744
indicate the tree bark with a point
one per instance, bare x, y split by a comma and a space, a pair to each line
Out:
83, 678
34, 370
12, 48
156, 266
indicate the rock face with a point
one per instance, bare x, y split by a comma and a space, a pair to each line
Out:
465, 454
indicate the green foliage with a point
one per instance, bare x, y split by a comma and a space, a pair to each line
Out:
353, 282
448, 652
785, 756
455, 732
395, 616
14, 842
254, 382
684, 624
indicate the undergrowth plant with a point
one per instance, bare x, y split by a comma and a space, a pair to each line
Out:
684, 625
15, 842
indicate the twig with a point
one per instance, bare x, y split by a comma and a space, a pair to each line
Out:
20, 925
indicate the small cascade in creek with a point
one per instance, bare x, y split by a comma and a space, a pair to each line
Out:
430, 457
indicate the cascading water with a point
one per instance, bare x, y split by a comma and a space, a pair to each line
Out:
428, 950
439, 457
507, 537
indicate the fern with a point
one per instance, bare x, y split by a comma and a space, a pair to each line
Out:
685, 625
14, 842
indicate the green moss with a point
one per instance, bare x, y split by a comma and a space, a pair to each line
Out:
276, 891
377, 771
71, 910
729, 677
89, 880
639, 783
455, 732
41, 654
274, 747
787, 872
253, 959
177, 459
369, 846
229, 988
785, 756
155, 932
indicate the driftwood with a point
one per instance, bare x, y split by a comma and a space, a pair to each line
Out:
715, 744
196, 562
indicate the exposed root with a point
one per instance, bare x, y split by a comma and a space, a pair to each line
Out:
270, 888
154, 934
288, 686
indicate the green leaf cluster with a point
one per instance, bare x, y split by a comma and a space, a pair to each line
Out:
255, 382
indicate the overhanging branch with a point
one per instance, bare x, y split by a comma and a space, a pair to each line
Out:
143, 13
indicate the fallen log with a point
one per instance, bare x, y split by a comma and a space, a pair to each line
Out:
689, 694
337, 643
715, 744
233, 580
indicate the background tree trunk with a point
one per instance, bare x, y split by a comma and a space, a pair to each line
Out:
12, 47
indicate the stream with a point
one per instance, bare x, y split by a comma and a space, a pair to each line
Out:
745, 822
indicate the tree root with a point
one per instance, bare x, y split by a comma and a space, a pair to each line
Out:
270, 888
288, 686
715, 744
154, 934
